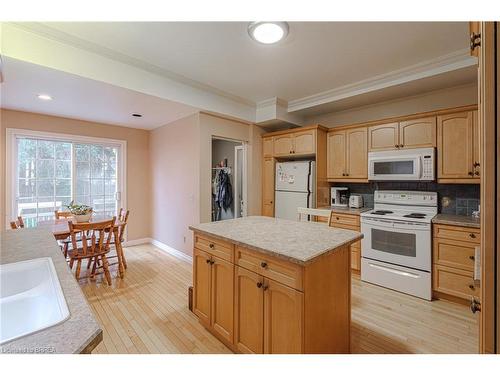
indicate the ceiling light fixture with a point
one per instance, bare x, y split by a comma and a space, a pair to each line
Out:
136, 115
268, 32
44, 97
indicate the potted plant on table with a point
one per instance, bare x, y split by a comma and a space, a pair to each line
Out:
81, 212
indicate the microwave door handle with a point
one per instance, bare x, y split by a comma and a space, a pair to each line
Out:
419, 167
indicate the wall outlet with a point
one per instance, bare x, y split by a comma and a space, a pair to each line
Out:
445, 202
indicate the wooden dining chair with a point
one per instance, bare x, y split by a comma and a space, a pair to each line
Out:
17, 224
91, 241
122, 217
62, 214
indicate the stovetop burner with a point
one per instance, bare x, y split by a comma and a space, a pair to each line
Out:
416, 215
381, 212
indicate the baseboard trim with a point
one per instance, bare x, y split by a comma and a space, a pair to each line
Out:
170, 250
139, 241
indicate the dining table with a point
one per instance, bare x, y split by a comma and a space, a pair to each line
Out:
60, 230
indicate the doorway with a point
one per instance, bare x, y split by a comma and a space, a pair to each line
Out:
229, 188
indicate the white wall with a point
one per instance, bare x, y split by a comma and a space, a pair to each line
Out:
434, 100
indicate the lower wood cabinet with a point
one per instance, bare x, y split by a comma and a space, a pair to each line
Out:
453, 261
352, 222
213, 293
270, 305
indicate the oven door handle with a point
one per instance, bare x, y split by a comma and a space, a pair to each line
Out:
395, 271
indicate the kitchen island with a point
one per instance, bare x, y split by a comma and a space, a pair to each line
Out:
80, 332
266, 285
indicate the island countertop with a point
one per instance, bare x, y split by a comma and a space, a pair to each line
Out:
80, 332
295, 241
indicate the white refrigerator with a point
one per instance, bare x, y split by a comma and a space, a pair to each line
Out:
294, 188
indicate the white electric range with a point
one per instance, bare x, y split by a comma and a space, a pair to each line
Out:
396, 248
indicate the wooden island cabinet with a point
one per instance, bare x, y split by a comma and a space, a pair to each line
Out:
288, 297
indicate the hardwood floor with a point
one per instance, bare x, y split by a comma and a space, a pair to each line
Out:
147, 312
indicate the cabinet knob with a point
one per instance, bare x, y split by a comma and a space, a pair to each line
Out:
476, 164
401, 145
263, 264
475, 306
211, 246
471, 257
265, 288
397, 146
338, 218
471, 174
476, 173
212, 262
259, 285
472, 235
475, 41
208, 261
471, 287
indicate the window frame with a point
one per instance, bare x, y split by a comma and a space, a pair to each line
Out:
11, 161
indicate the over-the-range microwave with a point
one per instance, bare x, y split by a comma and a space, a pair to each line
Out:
402, 165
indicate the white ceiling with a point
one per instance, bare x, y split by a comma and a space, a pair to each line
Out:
315, 57
82, 98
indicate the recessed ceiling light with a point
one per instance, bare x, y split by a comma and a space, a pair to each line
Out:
136, 115
268, 32
44, 97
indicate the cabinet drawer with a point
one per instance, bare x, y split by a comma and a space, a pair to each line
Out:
343, 219
221, 249
321, 219
454, 254
451, 232
454, 281
284, 272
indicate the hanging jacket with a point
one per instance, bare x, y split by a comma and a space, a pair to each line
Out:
224, 196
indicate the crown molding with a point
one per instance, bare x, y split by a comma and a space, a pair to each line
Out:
62, 37
442, 64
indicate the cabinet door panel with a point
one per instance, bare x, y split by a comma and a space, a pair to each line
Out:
248, 313
267, 147
304, 143
336, 152
222, 298
476, 146
283, 324
283, 145
383, 137
418, 133
455, 146
268, 187
201, 286
357, 153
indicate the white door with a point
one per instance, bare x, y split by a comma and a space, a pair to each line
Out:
240, 186
287, 202
293, 176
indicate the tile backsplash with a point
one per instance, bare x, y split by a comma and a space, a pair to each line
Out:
462, 198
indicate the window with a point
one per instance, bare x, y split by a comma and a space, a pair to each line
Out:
49, 173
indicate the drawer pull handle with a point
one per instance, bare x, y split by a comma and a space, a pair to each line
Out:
259, 285
472, 235
211, 246
338, 218
475, 306
471, 287
263, 264
471, 257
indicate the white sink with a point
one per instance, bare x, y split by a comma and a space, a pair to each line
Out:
31, 298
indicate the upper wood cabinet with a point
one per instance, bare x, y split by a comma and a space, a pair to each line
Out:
383, 137
213, 293
458, 148
268, 187
406, 134
418, 133
297, 143
267, 147
347, 154
283, 145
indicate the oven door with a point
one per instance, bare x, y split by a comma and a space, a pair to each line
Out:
394, 168
402, 243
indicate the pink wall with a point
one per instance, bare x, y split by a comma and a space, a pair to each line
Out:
137, 159
175, 158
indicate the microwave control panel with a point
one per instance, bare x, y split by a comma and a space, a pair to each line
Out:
427, 167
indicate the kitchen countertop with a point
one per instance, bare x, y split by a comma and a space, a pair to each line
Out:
459, 220
346, 210
295, 241
80, 332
